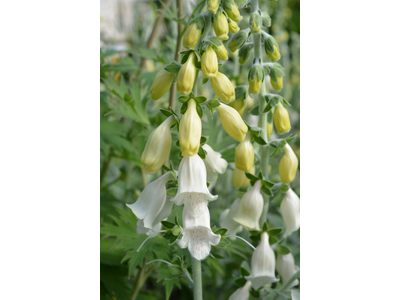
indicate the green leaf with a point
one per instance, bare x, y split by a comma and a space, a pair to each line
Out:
259, 140
274, 231
267, 184
200, 99
183, 99
183, 108
251, 176
173, 67
203, 140
168, 224
266, 191
272, 240
199, 110
283, 250
202, 153
221, 231
213, 103
244, 272
241, 281
284, 188
255, 293
223, 243
204, 80
175, 269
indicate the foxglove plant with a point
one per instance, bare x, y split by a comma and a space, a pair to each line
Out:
201, 165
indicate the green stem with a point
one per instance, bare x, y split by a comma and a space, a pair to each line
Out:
138, 282
196, 272
288, 283
104, 168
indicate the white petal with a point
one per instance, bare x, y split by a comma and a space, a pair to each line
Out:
192, 179
214, 163
286, 268
295, 295
226, 219
290, 209
250, 208
242, 293
151, 201
262, 264
140, 229
200, 218
165, 211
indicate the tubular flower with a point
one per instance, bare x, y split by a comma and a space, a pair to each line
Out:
262, 264
215, 164
277, 85
151, 202
290, 209
288, 165
186, 76
193, 33
197, 234
274, 56
232, 10
238, 104
233, 27
239, 177
244, 154
226, 219
232, 122
221, 26
190, 130
250, 208
238, 40
286, 268
161, 84
242, 293
212, 6
223, 87
272, 49
157, 147
256, 77
222, 53
192, 181
281, 119
209, 63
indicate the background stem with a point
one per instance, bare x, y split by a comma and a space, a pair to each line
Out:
196, 272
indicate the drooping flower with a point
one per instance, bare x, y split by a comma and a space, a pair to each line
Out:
238, 40
197, 234
250, 208
226, 219
277, 85
290, 210
239, 177
215, 164
232, 122
242, 293
244, 154
281, 119
262, 264
233, 27
193, 33
161, 84
288, 165
232, 10
212, 6
186, 76
151, 202
286, 268
255, 77
192, 180
209, 63
222, 53
157, 147
221, 26
190, 130
223, 87
255, 22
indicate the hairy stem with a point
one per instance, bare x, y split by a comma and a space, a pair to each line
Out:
196, 272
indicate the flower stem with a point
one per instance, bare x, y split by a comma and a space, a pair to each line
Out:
196, 272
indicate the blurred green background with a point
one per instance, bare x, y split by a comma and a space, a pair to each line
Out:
128, 116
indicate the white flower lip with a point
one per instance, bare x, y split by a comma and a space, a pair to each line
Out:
286, 268
192, 179
290, 209
242, 293
262, 264
151, 202
250, 208
215, 164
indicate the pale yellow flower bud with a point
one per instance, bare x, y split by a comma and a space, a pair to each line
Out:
233, 27
212, 6
186, 76
288, 165
281, 119
239, 177
270, 129
223, 87
192, 36
209, 63
232, 122
277, 85
232, 10
221, 26
221, 52
255, 85
161, 84
238, 104
244, 154
158, 146
190, 130
274, 56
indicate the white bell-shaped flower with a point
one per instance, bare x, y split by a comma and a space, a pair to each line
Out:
242, 293
152, 201
192, 180
215, 164
197, 234
226, 219
290, 210
286, 268
262, 264
250, 208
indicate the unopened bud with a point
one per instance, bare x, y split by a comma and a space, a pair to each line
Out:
288, 165
266, 19
222, 53
277, 85
193, 33
238, 40
209, 63
245, 53
233, 27
190, 130
186, 76
255, 22
256, 77
212, 6
232, 10
272, 48
223, 87
281, 119
221, 27
161, 84
244, 154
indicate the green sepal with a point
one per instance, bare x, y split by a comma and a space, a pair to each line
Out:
204, 80
200, 99
274, 231
202, 153
283, 250
203, 140
221, 231
173, 67
168, 224
244, 272
183, 99
241, 92
199, 110
255, 293
272, 240
266, 19
259, 140
255, 111
166, 112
